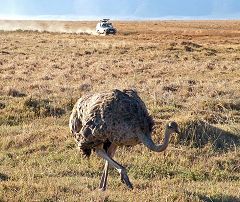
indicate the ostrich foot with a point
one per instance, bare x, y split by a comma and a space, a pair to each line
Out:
102, 189
125, 180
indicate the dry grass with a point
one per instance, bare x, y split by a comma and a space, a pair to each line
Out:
186, 71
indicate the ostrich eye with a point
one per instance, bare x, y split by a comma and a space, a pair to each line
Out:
170, 125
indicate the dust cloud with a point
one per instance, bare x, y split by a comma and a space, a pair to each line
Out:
44, 26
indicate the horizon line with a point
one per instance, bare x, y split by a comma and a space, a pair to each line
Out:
114, 18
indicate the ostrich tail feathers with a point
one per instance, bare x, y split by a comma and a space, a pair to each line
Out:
86, 153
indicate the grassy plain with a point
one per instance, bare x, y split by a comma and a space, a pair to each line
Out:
188, 71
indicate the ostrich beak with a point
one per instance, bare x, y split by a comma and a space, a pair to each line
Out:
177, 131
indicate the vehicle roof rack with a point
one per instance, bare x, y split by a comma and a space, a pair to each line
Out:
104, 20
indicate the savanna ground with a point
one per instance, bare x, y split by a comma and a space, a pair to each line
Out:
184, 71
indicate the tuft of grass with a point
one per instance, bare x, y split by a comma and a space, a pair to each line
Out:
43, 108
15, 93
198, 133
2, 105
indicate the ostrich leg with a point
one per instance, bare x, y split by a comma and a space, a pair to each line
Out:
111, 151
124, 177
103, 182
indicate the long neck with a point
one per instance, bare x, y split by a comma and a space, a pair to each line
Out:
148, 142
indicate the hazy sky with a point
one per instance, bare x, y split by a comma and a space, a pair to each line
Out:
122, 8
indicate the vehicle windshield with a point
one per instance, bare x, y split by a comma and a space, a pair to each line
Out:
106, 25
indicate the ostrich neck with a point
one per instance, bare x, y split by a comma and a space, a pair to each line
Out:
148, 142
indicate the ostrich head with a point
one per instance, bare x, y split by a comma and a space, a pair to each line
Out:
172, 127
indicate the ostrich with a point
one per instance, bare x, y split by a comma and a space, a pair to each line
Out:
103, 121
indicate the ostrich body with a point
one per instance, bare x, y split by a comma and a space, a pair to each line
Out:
103, 121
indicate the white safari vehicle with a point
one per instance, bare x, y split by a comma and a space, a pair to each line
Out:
105, 27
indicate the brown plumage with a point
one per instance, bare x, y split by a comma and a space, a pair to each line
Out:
115, 116
103, 121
